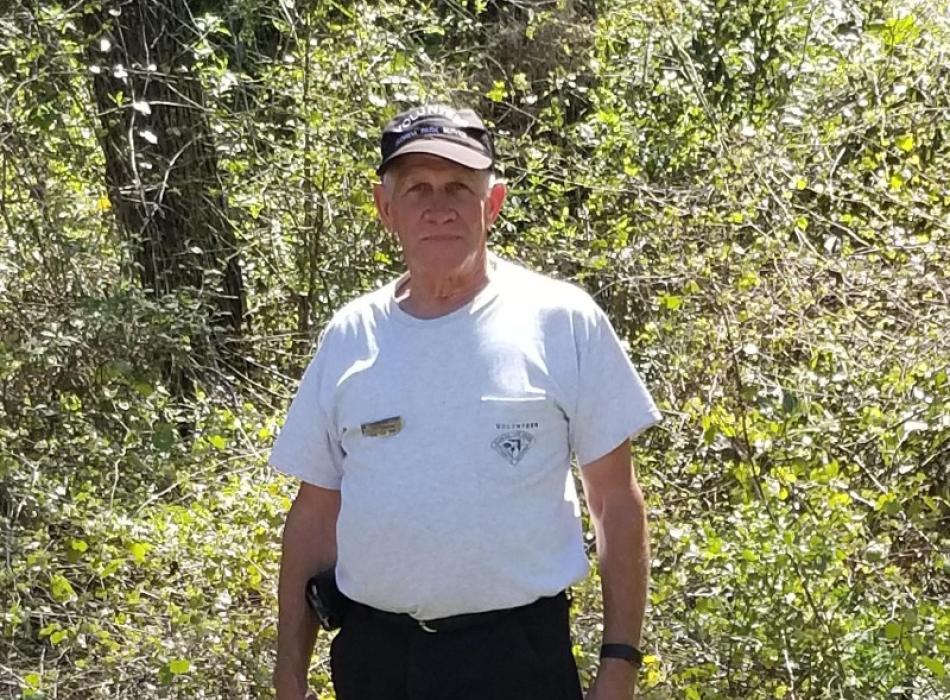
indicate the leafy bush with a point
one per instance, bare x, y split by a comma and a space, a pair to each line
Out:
754, 192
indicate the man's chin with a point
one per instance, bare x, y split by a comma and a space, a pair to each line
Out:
445, 257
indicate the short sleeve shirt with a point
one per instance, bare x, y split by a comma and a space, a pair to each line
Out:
451, 439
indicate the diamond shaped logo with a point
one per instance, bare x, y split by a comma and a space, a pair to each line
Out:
513, 445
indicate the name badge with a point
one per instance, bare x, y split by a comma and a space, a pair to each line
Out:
382, 428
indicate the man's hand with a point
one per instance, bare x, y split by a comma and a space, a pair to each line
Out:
291, 690
289, 687
616, 680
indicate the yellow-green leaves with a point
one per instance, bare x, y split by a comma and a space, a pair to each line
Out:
897, 30
60, 588
171, 671
75, 548
179, 666
139, 550
497, 92
219, 442
935, 666
671, 301
32, 687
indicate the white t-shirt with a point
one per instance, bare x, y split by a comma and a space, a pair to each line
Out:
450, 440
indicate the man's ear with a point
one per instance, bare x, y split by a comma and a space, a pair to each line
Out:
382, 199
496, 199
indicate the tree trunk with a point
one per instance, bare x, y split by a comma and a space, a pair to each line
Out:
162, 169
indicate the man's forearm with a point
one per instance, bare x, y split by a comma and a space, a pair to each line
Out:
624, 555
309, 546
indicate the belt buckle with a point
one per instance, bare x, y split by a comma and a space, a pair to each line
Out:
425, 627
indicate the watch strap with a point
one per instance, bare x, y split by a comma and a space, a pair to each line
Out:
627, 652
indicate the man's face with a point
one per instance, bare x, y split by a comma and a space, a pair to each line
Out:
440, 210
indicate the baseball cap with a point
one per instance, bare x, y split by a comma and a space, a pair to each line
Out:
456, 134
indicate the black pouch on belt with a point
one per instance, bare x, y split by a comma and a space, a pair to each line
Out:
326, 600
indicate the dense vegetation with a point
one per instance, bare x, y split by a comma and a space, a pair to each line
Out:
755, 191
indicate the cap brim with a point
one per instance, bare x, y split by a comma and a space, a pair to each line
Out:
456, 152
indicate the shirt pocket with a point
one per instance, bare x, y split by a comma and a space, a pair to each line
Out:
522, 437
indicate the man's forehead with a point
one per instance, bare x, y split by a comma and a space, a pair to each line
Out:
421, 163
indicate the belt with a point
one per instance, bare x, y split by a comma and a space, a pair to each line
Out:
457, 622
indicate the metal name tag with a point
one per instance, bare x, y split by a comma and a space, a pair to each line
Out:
382, 428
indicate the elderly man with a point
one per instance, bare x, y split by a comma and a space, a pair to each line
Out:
433, 433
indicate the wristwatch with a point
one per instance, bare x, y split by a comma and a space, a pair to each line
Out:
627, 652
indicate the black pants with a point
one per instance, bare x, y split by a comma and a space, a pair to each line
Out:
523, 655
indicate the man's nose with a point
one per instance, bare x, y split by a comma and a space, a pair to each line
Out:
439, 210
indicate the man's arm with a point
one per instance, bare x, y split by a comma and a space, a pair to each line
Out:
619, 517
309, 546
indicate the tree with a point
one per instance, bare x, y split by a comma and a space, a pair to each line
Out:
162, 168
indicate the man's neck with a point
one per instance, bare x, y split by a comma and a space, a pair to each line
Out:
429, 294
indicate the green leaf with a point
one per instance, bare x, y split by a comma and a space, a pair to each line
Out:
671, 301
218, 442
71, 403
749, 280
935, 666
164, 436
901, 30
75, 549
179, 666
789, 402
906, 143
498, 92
892, 630
713, 547
138, 550
61, 589
110, 568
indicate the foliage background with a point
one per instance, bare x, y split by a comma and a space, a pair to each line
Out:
756, 192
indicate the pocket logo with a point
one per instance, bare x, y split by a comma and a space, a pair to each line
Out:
513, 445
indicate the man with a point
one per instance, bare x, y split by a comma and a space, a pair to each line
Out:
433, 433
